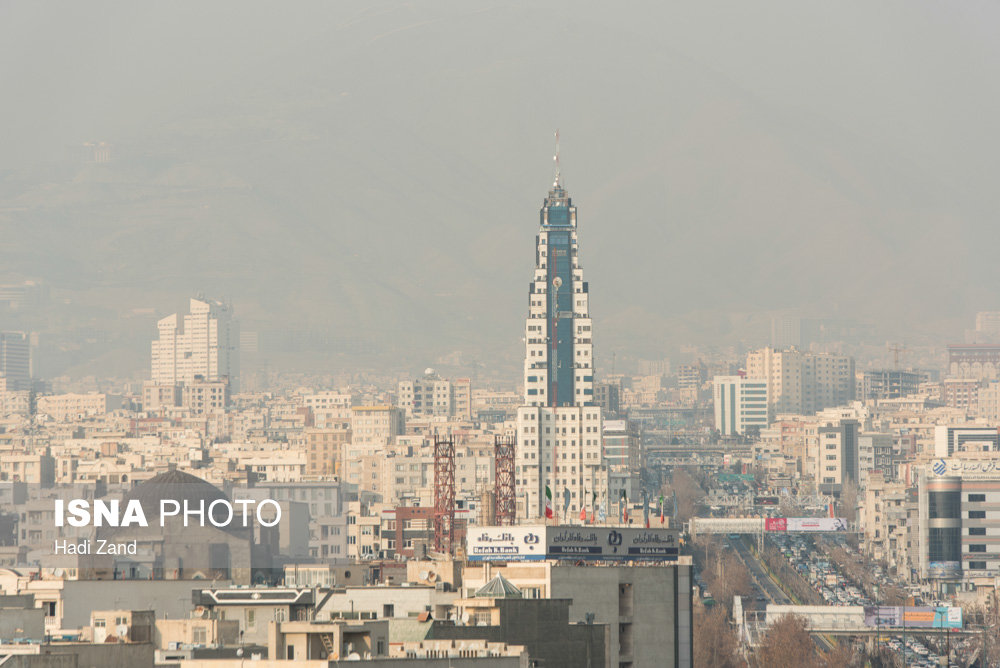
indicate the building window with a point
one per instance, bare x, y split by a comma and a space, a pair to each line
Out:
977, 531
977, 548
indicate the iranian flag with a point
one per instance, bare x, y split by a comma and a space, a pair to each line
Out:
661, 510
624, 507
593, 507
548, 503
583, 514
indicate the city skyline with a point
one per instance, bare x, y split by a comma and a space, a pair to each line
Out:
273, 392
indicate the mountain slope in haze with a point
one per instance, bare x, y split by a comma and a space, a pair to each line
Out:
375, 169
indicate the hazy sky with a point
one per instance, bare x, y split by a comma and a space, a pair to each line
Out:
377, 167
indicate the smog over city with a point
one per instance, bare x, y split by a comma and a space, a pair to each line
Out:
430, 333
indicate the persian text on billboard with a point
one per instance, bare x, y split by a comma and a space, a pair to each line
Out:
775, 524
610, 543
502, 543
816, 524
916, 617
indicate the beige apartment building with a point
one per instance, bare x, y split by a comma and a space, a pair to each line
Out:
376, 426
800, 382
64, 407
323, 448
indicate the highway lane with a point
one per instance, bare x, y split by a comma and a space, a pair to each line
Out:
769, 587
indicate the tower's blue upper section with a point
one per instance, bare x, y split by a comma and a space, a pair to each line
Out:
557, 208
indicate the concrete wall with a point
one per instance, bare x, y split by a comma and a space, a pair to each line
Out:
491, 662
87, 656
653, 611
20, 623
539, 625
404, 601
171, 599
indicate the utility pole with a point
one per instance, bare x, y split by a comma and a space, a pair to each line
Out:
903, 649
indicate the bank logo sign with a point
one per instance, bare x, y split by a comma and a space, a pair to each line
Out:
502, 543
983, 469
571, 542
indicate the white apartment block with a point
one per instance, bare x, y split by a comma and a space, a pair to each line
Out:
833, 446
433, 396
561, 448
327, 399
205, 344
275, 467
330, 410
740, 404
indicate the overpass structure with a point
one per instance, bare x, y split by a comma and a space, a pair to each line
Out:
849, 620
667, 450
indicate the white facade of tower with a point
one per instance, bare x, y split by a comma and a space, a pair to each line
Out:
206, 346
560, 447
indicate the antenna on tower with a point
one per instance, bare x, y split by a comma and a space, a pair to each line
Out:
556, 159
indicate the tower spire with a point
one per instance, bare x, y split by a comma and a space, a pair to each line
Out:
556, 158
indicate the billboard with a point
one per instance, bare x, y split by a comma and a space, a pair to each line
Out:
775, 524
642, 544
575, 542
706, 525
505, 543
975, 469
765, 500
587, 542
816, 524
526, 543
915, 617
944, 569
882, 615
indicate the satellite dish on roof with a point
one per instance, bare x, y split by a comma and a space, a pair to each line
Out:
428, 371
465, 617
423, 575
121, 631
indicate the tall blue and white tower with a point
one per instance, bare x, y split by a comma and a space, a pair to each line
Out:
559, 425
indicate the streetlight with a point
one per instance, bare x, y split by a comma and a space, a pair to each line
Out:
947, 632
